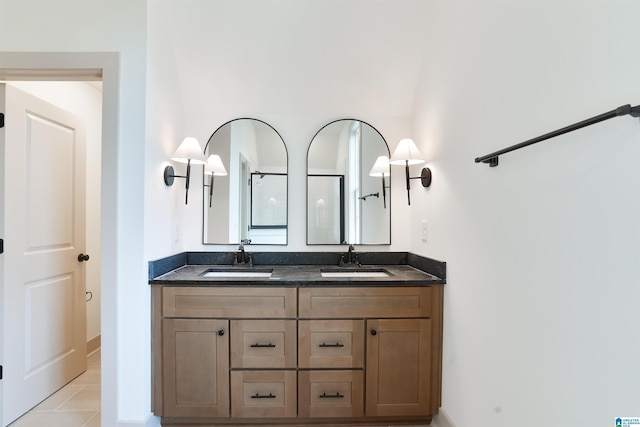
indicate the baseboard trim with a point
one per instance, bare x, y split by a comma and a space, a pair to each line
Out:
442, 420
93, 345
152, 421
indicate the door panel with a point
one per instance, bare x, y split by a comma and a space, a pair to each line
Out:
43, 281
398, 367
49, 184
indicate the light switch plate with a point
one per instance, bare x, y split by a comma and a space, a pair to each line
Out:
423, 230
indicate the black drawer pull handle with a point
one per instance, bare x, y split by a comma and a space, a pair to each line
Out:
331, 396
221, 332
263, 396
331, 345
374, 332
256, 345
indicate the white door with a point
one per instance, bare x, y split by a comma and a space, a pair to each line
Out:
42, 284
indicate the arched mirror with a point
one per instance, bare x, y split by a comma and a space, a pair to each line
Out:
348, 199
245, 186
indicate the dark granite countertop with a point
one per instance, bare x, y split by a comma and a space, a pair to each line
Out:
401, 269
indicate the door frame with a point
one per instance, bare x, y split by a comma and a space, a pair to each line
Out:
79, 67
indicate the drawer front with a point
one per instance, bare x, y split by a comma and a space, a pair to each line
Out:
263, 344
364, 302
330, 393
331, 343
263, 394
228, 302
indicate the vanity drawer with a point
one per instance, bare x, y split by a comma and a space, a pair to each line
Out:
330, 393
331, 343
263, 343
363, 302
249, 302
263, 394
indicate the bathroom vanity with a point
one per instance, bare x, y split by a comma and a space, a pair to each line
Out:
296, 344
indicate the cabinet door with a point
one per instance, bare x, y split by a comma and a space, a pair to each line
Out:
398, 367
196, 368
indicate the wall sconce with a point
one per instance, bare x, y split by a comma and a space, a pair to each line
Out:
214, 167
406, 153
381, 168
188, 152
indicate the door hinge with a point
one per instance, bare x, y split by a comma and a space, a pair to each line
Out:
0, 372
1, 246
1, 120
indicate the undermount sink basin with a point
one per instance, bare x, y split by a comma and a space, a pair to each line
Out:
234, 272
351, 273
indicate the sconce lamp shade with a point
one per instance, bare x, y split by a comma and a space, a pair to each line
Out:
215, 166
380, 167
190, 149
188, 152
406, 153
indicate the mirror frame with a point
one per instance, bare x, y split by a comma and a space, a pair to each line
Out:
204, 201
388, 186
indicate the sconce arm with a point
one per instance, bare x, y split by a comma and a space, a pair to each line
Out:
169, 177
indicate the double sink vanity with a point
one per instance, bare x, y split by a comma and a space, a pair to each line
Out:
296, 339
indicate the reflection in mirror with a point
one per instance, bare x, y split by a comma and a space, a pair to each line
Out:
250, 202
347, 201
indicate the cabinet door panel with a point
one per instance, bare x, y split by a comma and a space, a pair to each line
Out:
398, 367
346, 302
213, 302
196, 368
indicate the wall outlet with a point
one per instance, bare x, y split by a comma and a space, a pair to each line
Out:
423, 230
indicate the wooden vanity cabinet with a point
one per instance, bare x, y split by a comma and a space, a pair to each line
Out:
193, 330
402, 342
256, 355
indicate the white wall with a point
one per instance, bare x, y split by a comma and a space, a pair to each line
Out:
543, 252
85, 101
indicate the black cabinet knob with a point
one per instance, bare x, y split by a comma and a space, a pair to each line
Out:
83, 257
374, 332
221, 332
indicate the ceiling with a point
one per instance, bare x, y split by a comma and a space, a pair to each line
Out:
342, 57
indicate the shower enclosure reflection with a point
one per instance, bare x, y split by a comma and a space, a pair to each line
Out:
347, 201
250, 203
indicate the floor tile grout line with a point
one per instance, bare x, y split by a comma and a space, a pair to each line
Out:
76, 388
97, 414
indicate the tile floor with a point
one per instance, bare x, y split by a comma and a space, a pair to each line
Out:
75, 405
